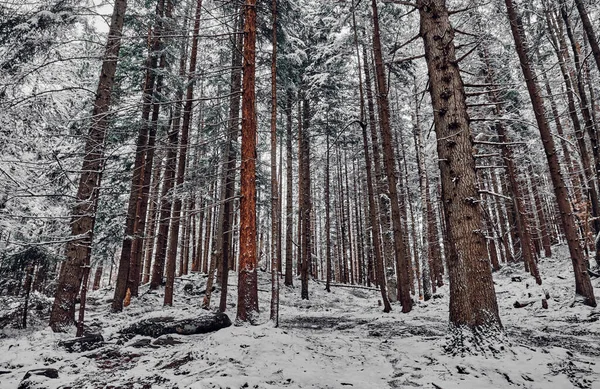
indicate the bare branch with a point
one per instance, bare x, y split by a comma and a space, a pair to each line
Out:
487, 192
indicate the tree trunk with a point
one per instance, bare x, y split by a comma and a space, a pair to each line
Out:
327, 217
78, 249
232, 135
275, 260
139, 166
181, 164
289, 210
522, 219
389, 164
247, 277
589, 31
304, 159
151, 226
583, 285
472, 297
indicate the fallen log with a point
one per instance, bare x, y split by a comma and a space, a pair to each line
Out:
158, 326
522, 304
83, 343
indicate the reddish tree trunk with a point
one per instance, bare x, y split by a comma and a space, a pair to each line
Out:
247, 278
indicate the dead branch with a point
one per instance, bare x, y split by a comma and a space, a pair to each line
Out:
489, 167
487, 192
347, 286
396, 61
483, 142
394, 49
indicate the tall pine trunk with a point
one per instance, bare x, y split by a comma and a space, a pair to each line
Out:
181, 164
78, 249
389, 164
472, 298
247, 277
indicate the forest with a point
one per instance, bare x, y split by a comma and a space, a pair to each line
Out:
299, 194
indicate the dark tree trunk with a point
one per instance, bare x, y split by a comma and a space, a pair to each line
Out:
181, 164
589, 31
78, 249
138, 167
247, 278
232, 135
289, 210
275, 259
472, 297
304, 159
327, 218
389, 164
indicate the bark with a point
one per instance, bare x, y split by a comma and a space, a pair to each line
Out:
304, 159
348, 220
389, 164
472, 298
97, 277
539, 208
589, 31
523, 223
82, 300
569, 77
28, 283
583, 285
247, 277
168, 182
151, 225
275, 259
592, 173
78, 249
327, 218
232, 135
426, 250
181, 164
138, 167
377, 250
289, 211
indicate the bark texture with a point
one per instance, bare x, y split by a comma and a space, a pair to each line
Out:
472, 298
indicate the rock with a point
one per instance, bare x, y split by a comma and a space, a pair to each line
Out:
85, 343
35, 378
461, 369
158, 326
189, 289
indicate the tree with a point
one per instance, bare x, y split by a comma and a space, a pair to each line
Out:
82, 223
275, 240
247, 277
389, 164
472, 298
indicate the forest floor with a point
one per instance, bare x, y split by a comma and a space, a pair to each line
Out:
340, 339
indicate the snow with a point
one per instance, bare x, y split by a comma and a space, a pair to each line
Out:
340, 339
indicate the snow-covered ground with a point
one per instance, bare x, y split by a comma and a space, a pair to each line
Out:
340, 339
